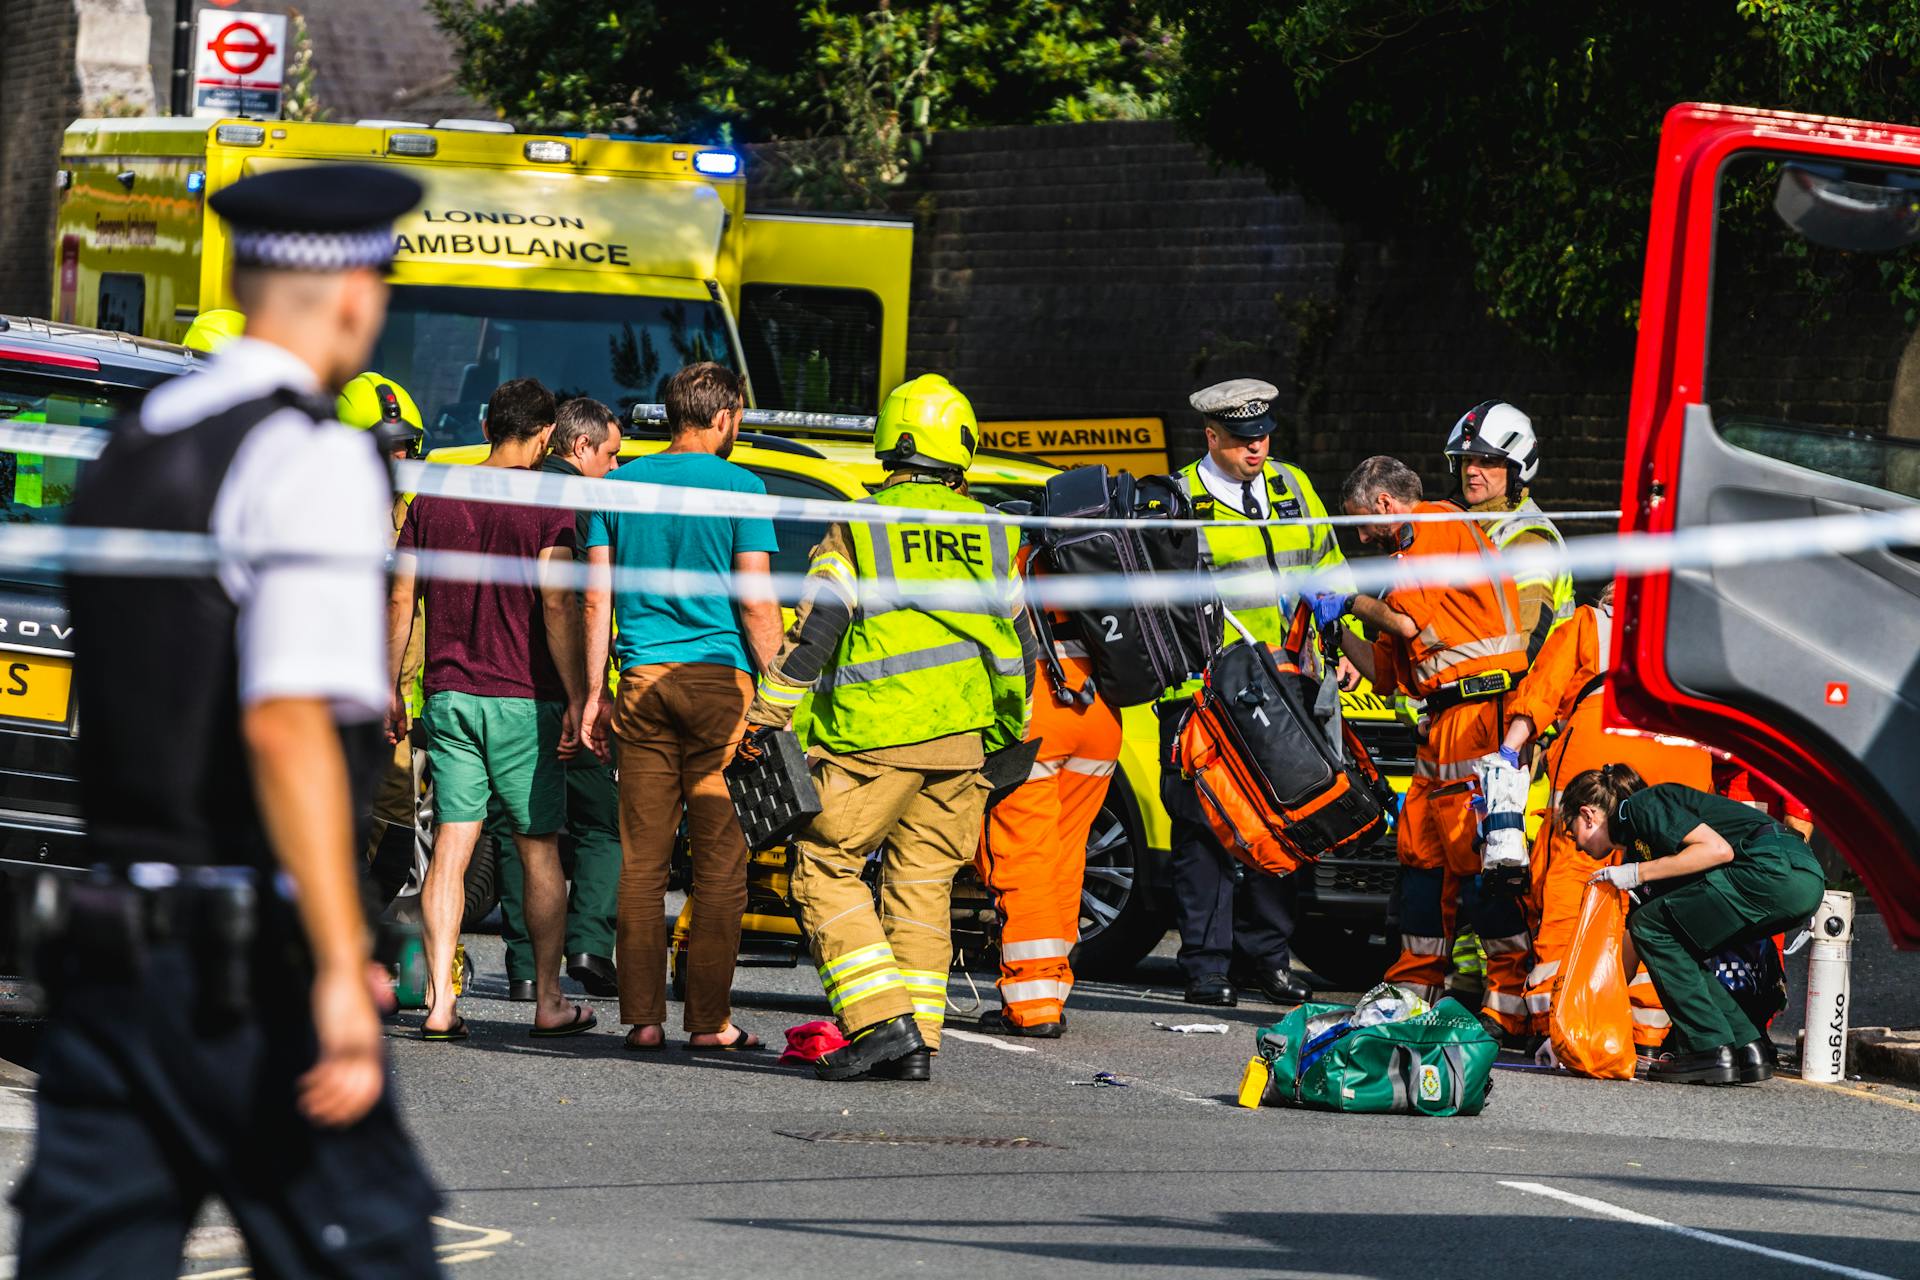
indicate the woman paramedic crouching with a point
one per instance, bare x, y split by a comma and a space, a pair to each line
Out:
1714, 873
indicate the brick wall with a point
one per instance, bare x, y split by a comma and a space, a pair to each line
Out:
39, 95
1109, 269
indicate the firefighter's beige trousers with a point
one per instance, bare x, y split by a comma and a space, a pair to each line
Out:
879, 965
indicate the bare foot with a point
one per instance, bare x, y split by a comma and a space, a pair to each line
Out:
566, 1015
727, 1037
647, 1037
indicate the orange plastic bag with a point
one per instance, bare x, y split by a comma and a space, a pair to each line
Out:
1592, 1022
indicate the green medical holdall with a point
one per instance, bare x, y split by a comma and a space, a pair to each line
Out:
1437, 1064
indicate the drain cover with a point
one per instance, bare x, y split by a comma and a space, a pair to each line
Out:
915, 1139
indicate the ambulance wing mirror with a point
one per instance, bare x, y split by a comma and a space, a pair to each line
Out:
1855, 209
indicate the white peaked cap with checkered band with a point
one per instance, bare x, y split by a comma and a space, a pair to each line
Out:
1240, 406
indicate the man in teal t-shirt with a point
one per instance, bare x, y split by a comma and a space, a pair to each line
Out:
686, 663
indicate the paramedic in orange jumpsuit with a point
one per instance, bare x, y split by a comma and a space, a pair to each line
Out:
1460, 648
1033, 854
1564, 688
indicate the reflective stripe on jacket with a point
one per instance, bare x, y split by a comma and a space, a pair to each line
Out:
1528, 518
908, 672
1465, 629
1255, 561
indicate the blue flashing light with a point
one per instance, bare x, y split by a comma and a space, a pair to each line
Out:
716, 164
196, 183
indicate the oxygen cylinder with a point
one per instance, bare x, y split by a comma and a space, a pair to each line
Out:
1829, 967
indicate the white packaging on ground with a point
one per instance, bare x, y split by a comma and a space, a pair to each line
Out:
1387, 1003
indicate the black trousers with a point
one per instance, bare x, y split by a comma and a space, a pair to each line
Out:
1220, 922
145, 1110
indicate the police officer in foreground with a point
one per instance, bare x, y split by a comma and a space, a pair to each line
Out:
908, 700
215, 1029
1240, 932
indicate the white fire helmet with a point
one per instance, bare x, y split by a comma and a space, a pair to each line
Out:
1495, 429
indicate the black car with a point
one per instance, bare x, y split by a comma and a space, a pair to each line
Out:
52, 375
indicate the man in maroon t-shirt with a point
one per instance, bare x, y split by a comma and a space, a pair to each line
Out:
504, 686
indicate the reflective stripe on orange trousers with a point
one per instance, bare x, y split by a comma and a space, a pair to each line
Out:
1033, 853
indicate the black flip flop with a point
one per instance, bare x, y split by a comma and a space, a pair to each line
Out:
743, 1042
584, 1020
660, 1046
457, 1031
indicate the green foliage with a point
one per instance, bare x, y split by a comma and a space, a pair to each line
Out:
861, 82
1523, 129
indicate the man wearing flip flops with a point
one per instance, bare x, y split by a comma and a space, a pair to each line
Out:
505, 686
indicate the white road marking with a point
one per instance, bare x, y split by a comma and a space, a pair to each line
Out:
974, 1037
1606, 1210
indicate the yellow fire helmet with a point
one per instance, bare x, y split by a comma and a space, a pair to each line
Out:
212, 330
927, 422
373, 401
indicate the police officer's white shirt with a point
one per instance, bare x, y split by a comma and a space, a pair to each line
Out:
1228, 491
305, 630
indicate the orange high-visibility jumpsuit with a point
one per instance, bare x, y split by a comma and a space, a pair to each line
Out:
1033, 853
1567, 667
1464, 631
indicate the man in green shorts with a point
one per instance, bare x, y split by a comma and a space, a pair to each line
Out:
504, 691
585, 442
1716, 874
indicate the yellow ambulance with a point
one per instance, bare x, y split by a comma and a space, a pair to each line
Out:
597, 264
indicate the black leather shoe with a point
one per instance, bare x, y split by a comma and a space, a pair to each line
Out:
1754, 1061
1709, 1066
595, 973
917, 1065
998, 1023
520, 991
871, 1046
1281, 985
1213, 989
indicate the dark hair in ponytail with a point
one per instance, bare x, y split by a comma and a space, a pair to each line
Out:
1605, 788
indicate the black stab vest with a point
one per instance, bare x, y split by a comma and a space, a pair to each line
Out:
164, 774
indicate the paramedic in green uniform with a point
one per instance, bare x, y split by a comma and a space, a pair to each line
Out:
1714, 873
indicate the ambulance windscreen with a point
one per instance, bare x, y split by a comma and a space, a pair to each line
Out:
451, 346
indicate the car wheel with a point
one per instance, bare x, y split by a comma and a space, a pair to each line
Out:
483, 884
1348, 956
1119, 926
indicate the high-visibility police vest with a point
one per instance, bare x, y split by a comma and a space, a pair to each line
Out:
1528, 518
907, 672
1233, 552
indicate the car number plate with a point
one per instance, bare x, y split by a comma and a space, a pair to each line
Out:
35, 687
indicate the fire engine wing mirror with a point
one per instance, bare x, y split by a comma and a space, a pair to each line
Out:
1855, 209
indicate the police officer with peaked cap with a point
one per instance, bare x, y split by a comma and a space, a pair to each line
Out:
1236, 925
214, 1028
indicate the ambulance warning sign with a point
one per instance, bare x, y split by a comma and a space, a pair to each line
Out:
241, 66
1138, 445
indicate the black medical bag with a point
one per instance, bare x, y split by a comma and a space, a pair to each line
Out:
1138, 648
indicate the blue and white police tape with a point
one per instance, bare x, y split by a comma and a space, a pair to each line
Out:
519, 487
1709, 548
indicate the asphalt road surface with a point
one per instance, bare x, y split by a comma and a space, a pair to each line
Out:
576, 1159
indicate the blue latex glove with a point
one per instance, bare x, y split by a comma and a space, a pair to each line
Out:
1329, 607
1511, 755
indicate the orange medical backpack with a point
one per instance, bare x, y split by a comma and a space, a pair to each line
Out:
1258, 745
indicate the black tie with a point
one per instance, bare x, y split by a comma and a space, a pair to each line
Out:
1249, 503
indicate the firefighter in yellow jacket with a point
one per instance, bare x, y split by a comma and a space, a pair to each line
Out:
909, 660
